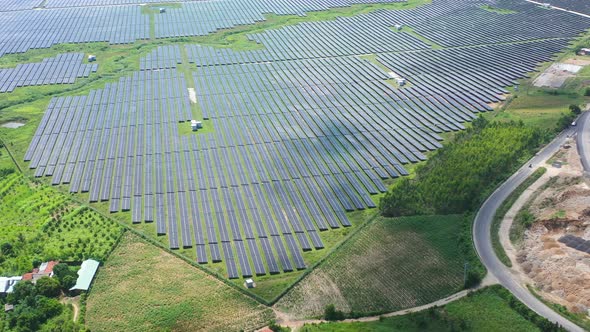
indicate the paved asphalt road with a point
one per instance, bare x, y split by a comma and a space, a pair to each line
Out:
483, 220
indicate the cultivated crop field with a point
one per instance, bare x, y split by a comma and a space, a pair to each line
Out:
39, 223
390, 265
142, 288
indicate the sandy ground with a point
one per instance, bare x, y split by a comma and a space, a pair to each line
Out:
192, 95
12, 125
557, 74
74, 301
560, 206
579, 61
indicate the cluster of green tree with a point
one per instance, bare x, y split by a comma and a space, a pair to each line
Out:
568, 118
332, 314
56, 228
36, 306
459, 175
5, 171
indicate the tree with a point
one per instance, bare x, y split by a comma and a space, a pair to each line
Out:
575, 109
7, 249
330, 313
21, 291
49, 287
67, 278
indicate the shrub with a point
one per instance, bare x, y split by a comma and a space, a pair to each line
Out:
330, 313
48, 287
458, 176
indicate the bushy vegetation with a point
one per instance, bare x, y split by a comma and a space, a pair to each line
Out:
490, 309
460, 175
39, 224
391, 264
567, 118
143, 288
37, 308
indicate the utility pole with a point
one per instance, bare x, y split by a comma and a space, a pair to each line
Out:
465, 268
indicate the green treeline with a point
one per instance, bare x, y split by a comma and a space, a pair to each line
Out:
460, 175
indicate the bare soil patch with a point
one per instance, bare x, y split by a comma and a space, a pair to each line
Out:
560, 207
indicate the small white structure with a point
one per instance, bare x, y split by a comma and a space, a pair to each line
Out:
91, 58
398, 27
250, 283
400, 81
7, 284
584, 51
85, 275
162, 10
546, 5
195, 125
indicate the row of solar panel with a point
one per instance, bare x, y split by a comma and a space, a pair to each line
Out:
62, 69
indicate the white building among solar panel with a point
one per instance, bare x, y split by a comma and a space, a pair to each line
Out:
401, 81
85, 275
162, 10
398, 27
250, 283
195, 125
91, 58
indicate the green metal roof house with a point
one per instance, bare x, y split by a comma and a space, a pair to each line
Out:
86, 274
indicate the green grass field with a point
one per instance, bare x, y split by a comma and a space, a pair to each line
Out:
38, 223
142, 288
485, 310
389, 265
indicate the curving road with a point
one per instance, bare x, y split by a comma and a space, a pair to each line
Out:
483, 220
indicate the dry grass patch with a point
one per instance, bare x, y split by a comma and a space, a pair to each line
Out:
392, 264
143, 288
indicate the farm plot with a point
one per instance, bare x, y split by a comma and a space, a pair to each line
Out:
392, 264
134, 291
37, 223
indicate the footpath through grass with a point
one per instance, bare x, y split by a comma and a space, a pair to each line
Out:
143, 288
389, 265
490, 309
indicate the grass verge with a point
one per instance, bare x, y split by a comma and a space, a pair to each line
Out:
503, 209
489, 309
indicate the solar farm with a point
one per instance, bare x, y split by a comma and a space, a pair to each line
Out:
306, 126
302, 129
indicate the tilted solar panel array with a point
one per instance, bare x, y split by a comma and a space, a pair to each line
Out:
576, 242
457, 23
120, 24
205, 17
448, 23
12, 5
312, 40
299, 135
63, 69
163, 57
24, 30
574, 5
292, 149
